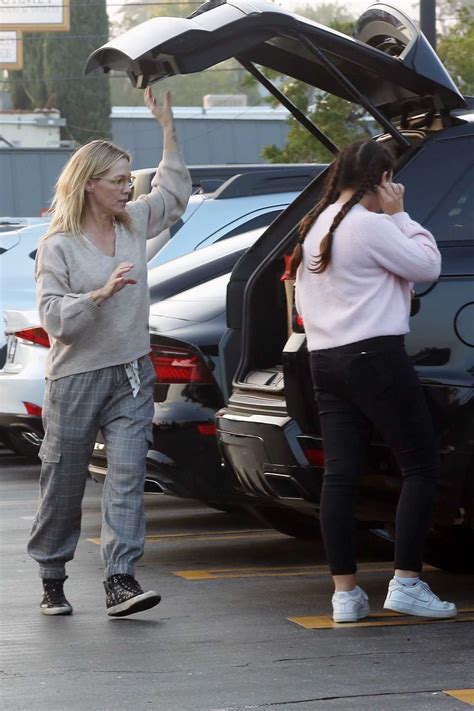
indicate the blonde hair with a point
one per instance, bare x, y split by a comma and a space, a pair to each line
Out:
69, 203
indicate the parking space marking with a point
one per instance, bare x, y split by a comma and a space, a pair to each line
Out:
278, 571
466, 695
378, 619
207, 535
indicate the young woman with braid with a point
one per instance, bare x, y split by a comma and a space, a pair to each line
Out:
355, 263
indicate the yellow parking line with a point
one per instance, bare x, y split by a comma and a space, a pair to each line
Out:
377, 619
207, 535
275, 571
466, 695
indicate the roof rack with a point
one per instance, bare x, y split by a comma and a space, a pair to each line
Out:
287, 180
210, 178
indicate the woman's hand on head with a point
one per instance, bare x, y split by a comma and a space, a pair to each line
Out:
163, 114
116, 282
390, 195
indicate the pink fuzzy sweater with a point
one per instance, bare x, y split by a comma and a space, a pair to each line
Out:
365, 291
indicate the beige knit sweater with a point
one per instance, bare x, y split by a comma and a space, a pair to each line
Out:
85, 336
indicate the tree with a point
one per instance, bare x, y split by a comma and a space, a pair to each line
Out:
344, 122
340, 120
53, 76
456, 46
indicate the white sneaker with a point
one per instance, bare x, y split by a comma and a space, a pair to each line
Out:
350, 606
417, 599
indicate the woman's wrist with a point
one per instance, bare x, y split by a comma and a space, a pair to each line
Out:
98, 296
393, 210
170, 142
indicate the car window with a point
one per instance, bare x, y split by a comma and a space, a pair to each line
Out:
260, 221
432, 172
453, 218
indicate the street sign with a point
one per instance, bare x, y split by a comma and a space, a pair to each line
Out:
11, 50
34, 15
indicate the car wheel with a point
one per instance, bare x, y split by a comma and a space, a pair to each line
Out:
451, 549
291, 523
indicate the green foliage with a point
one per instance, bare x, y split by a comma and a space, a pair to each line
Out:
456, 47
53, 74
338, 119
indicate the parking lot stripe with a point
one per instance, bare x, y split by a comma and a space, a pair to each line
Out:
207, 535
276, 571
378, 619
466, 695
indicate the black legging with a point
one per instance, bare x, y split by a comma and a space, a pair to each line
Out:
372, 382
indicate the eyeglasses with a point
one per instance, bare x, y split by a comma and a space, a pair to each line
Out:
119, 182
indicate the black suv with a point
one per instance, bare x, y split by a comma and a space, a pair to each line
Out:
268, 430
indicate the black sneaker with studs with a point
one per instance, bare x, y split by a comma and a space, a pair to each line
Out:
124, 596
53, 601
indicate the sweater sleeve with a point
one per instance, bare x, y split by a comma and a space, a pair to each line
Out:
63, 315
171, 190
402, 246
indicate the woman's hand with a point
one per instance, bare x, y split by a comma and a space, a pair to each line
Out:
162, 113
390, 195
116, 283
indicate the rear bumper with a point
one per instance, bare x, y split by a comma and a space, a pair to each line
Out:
267, 460
187, 464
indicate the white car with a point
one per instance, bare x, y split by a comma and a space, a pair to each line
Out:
22, 382
17, 278
247, 201
176, 306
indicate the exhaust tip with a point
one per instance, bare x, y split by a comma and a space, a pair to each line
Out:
32, 438
153, 487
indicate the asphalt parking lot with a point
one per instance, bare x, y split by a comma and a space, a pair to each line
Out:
244, 622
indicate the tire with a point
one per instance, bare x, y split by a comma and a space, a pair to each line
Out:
291, 523
451, 549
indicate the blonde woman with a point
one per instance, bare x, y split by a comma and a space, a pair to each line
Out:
92, 294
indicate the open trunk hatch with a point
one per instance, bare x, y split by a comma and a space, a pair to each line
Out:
389, 62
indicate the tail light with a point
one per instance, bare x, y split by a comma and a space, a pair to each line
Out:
179, 365
314, 456
33, 409
34, 335
206, 428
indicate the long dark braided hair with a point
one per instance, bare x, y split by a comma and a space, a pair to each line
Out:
359, 166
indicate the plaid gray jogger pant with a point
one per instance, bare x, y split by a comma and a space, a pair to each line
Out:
75, 408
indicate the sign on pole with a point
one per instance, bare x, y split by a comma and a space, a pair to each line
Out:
11, 50
34, 15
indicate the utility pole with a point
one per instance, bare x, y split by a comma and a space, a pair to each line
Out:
428, 20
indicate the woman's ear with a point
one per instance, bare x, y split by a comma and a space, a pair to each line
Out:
89, 187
